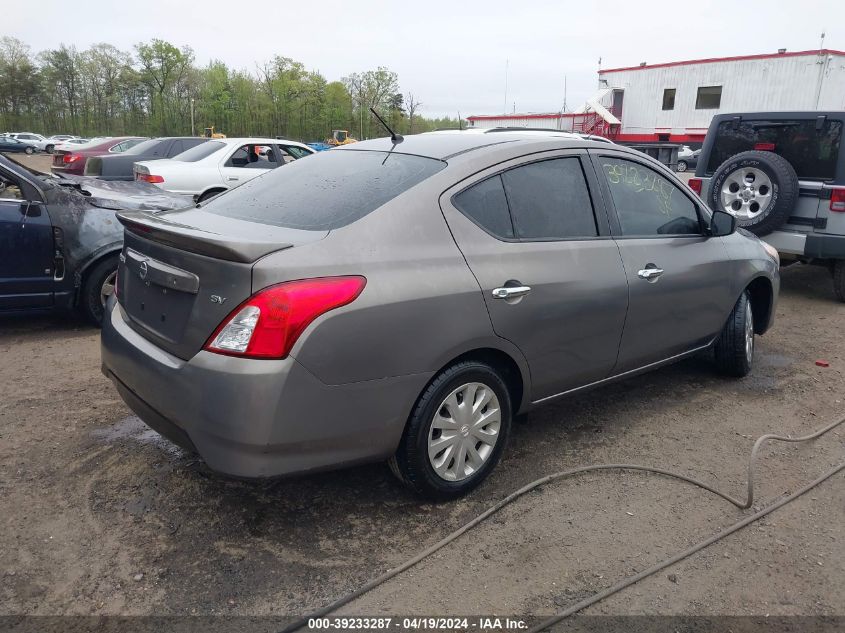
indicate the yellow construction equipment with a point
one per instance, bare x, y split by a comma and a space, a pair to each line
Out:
340, 137
210, 133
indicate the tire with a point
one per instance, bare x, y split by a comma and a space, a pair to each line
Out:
411, 463
682, 165
49, 149
209, 194
94, 285
772, 208
734, 355
29, 150
839, 279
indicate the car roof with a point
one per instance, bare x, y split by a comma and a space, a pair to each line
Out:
257, 140
444, 144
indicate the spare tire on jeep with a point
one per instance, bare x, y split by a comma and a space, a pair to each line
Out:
759, 188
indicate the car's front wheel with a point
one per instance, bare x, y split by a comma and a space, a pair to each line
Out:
456, 433
97, 287
49, 149
682, 165
29, 150
734, 348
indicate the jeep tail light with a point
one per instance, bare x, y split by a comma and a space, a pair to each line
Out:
764, 147
837, 199
695, 184
269, 323
148, 177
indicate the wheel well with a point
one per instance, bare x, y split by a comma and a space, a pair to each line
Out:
761, 293
502, 362
83, 272
213, 191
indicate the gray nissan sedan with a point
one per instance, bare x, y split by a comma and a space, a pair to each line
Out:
402, 300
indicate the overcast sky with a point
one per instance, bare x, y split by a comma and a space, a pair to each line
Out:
451, 55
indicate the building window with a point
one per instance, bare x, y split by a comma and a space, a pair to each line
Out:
708, 98
669, 99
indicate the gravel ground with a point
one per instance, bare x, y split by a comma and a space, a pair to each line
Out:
99, 515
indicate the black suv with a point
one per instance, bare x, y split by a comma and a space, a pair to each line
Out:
782, 174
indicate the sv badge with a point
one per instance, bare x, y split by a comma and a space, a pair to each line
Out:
218, 299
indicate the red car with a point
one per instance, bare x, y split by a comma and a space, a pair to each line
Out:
72, 161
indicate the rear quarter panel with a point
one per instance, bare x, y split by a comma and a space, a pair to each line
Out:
421, 306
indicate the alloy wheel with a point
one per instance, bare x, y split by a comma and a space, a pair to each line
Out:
749, 332
746, 193
107, 289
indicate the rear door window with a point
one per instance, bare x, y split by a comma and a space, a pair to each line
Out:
812, 152
327, 191
486, 205
545, 200
549, 200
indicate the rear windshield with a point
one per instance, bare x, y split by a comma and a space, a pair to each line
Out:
198, 152
142, 147
329, 190
813, 153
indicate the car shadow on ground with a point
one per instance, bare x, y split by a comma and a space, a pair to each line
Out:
26, 325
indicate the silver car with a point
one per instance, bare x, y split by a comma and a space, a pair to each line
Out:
402, 301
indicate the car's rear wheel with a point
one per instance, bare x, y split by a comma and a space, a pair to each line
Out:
682, 165
29, 150
734, 348
49, 149
456, 433
759, 188
97, 287
839, 279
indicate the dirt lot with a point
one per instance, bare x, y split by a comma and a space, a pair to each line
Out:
98, 515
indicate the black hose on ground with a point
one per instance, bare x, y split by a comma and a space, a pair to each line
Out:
580, 606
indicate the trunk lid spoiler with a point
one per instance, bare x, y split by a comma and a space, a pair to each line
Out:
203, 233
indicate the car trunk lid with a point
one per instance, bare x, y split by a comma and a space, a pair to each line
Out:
182, 273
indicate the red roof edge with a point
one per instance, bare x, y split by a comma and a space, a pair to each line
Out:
711, 60
478, 117
551, 115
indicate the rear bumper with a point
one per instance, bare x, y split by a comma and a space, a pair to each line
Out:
825, 246
255, 418
75, 171
814, 245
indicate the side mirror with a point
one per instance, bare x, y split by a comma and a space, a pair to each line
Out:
722, 223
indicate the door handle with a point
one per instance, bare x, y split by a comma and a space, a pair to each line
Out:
232, 178
511, 292
650, 272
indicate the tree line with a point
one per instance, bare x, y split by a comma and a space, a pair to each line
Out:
152, 90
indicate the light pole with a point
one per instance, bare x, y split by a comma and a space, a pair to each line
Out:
192, 117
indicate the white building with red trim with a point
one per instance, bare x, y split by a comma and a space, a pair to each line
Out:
674, 102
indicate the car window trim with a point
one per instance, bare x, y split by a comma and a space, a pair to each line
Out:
613, 212
602, 228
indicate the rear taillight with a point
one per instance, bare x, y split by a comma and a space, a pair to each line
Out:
695, 184
837, 199
268, 324
148, 177
70, 158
